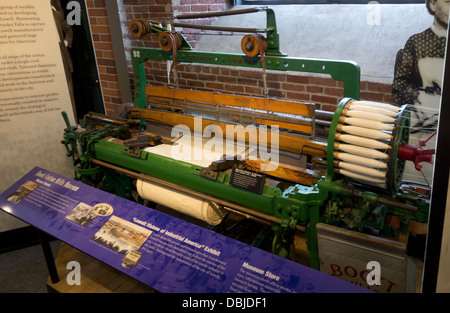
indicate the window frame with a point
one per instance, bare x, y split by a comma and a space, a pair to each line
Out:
313, 2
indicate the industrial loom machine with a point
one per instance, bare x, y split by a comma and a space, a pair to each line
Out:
343, 168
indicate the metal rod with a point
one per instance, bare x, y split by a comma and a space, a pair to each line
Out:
241, 209
223, 28
224, 111
399, 205
324, 115
46, 248
403, 206
212, 14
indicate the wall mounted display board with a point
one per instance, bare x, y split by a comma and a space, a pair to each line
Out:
33, 90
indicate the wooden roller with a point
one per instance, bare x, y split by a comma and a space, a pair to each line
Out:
168, 41
140, 27
253, 45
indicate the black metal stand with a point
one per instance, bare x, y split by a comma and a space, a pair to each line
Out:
46, 248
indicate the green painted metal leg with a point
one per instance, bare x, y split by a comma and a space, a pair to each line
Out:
313, 246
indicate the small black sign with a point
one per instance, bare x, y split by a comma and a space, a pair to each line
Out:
248, 180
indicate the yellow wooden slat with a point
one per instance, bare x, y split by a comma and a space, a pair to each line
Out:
260, 120
286, 141
302, 176
270, 105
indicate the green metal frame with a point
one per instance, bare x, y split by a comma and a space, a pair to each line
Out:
400, 134
331, 138
273, 39
273, 43
346, 71
294, 205
299, 203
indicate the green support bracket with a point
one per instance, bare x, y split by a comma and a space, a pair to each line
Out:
330, 175
346, 71
273, 43
273, 39
302, 204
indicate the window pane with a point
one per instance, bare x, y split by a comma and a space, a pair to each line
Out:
250, 2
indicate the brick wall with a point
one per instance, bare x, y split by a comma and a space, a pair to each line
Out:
323, 91
197, 6
104, 53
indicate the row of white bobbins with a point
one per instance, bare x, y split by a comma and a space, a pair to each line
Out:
362, 141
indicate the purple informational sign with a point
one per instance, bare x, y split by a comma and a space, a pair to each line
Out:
166, 253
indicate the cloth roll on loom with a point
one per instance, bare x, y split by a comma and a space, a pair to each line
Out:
177, 200
181, 202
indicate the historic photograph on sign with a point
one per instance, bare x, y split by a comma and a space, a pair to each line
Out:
82, 214
22, 192
121, 236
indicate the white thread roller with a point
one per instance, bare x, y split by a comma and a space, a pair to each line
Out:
368, 115
365, 123
351, 158
362, 170
371, 110
364, 132
361, 177
361, 151
364, 142
374, 104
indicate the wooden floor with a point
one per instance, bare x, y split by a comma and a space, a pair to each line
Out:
96, 276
